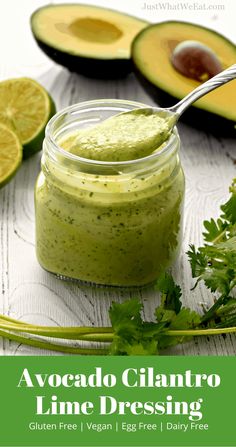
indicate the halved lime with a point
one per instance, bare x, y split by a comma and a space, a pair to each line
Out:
10, 154
26, 107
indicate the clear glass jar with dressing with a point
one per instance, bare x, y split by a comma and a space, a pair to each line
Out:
110, 223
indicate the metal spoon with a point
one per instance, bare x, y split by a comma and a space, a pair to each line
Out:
174, 112
129, 136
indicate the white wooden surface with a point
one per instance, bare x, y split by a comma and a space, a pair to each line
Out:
30, 294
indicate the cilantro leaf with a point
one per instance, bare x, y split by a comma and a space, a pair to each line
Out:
171, 312
214, 229
171, 293
226, 314
124, 347
126, 316
215, 265
229, 208
184, 320
132, 336
198, 261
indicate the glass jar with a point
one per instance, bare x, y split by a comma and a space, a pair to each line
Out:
110, 223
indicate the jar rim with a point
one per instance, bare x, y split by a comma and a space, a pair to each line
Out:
76, 158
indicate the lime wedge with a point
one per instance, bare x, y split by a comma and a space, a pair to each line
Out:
25, 108
10, 154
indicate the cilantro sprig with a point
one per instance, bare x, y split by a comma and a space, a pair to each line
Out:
215, 262
129, 334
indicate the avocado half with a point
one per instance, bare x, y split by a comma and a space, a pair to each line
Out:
151, 55
87, 39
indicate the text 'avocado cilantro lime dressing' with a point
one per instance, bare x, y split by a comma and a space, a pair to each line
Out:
104, 222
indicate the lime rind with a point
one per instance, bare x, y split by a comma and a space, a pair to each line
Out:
35, 145
10, 154
17, 109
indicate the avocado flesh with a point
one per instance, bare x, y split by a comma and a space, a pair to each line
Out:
86, 39
151, 55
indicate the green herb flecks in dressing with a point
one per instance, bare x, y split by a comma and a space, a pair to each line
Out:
126, 136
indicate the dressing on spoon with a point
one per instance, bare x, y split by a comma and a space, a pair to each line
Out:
126, 136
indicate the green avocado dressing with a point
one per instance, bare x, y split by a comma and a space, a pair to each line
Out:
127, 136
119, 227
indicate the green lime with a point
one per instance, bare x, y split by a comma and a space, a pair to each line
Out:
10, 154
26, 107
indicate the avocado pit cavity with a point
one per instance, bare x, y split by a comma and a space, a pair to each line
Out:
95, 30
195, 60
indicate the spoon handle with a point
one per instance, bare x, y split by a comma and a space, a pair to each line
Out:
215, 82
